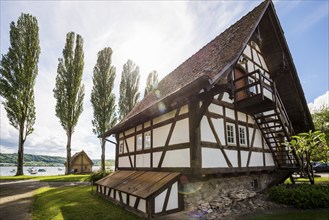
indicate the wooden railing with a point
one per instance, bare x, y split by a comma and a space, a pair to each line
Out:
256, 83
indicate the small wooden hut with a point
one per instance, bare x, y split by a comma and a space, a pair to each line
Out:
81, 163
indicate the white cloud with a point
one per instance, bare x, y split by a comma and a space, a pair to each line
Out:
319, 102
155, 35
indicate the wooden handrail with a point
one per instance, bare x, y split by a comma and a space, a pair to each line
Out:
252, 73
259, 79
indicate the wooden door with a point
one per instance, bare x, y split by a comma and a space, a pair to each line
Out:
238, 73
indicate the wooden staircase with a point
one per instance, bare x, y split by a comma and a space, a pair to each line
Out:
263, 102
276, 129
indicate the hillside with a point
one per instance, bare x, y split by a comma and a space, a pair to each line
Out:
42, 160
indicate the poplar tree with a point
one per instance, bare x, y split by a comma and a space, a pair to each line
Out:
69, 91
18, 71
102, 97
129, 85
151, 82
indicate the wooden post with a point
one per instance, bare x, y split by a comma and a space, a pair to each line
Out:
194, 134
117, 152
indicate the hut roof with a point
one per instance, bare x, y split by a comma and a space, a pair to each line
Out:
76, 156
138, 183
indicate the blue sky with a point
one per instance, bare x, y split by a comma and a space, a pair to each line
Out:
156, 36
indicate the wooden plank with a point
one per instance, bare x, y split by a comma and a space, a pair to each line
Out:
143, 184
154, 126
117, 178
185, 170
232, 147
159, 149
127, 147
200, 112
194, 136
237, 136
136, 203
220, 96
164, 208
247, 130
120, 196
251, 146
154, 186
151, 147
236, 170
125, 180
161, 183
140, 182
117, 151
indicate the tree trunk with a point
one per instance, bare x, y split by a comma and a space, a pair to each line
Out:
103, 156
302, 168
68, 154
309, 168
20, 154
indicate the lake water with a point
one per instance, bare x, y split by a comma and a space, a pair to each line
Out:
7, 171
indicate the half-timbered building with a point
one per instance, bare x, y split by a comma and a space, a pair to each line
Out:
226, 111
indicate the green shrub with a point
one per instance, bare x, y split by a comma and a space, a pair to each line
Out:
98, 175
302, 196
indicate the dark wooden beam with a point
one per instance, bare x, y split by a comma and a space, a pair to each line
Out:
168, 138
219, 142
195, 137
203, 109
117, 152
251, 145
166, 199
127, 148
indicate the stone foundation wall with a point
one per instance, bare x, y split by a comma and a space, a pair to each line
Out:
220, 193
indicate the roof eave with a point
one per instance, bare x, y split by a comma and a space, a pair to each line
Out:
293, 70
203, 82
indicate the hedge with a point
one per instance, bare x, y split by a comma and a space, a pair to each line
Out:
302, 196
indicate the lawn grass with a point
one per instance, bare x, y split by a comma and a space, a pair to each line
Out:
55, 178
75, 203
23, 177
294, 215
317, 180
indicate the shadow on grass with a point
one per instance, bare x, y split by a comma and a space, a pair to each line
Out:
18, 188
75, 202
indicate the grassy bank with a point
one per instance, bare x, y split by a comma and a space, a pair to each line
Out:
317, 180
75, 203
56, 178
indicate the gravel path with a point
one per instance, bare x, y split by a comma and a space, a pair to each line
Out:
16, 197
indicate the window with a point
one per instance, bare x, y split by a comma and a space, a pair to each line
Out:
121, 147
242, 135
147, 140
139, 142
252, 88
230, 133
254, 184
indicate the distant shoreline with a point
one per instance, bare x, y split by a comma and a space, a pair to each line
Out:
7, 160
32, 165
